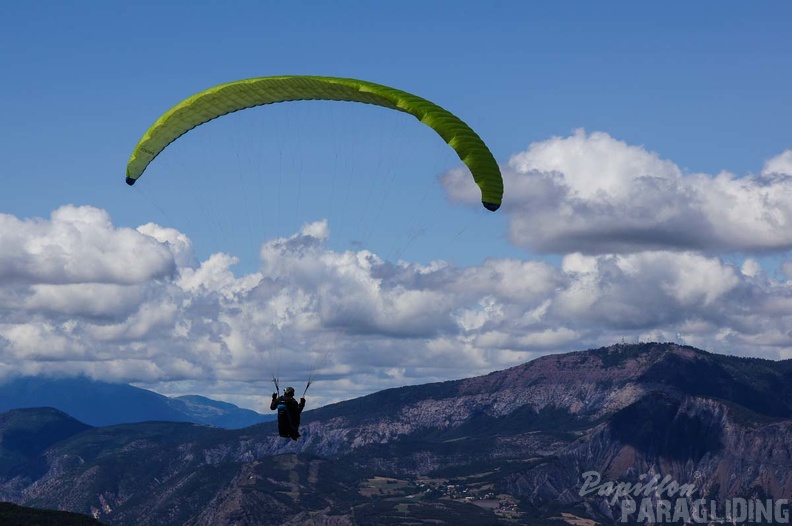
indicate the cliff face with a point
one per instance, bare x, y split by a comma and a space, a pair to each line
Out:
690, 440
719, 424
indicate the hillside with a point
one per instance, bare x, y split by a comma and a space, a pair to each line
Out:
509, 446
13, 515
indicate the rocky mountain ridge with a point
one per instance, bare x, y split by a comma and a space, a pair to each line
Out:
525, 435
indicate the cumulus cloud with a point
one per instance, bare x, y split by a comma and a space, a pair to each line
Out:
594, 194
780, 164
639, 241
78, 245
180, 325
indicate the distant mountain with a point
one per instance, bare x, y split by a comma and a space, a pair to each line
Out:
506, 448
101, 403
219, 414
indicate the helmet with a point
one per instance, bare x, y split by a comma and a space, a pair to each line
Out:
289, 391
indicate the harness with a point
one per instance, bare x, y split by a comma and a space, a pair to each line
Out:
283, 410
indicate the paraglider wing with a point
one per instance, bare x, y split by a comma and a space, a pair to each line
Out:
227, 98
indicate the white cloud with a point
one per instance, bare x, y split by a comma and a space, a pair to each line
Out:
78, 245
780, 164
99, 300
594, 194
595, 166
80, 295
215, 275
179, 244
359, 316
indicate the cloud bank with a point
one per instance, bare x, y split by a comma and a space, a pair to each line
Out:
593, 194
367, 323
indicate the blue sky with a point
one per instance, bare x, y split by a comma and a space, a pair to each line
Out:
612, 122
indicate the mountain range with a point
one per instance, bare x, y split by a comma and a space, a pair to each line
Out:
519, 446
102, 403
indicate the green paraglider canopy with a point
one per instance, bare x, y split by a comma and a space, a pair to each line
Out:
234, 96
